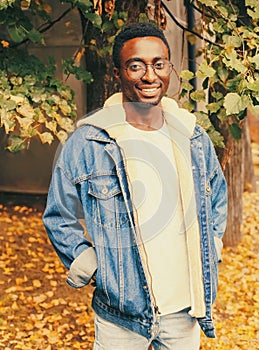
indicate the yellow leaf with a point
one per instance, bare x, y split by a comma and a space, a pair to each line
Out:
62, 136
26, 110
15, 306
39, 298
53, 283
46, 137
36, 283
52, 125
20, 280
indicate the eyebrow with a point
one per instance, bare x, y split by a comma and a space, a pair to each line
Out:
138, 59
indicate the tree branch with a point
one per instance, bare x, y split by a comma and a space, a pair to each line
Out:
199, 10
187, 29
45, 28
51, 24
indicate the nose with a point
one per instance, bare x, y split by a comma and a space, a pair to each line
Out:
150, 74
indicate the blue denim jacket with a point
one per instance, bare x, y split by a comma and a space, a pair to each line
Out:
89, 182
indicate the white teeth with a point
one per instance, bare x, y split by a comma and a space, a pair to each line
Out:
149, 90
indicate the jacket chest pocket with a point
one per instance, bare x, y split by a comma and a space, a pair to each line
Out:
108, 206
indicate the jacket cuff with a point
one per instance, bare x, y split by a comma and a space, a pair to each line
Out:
82, 269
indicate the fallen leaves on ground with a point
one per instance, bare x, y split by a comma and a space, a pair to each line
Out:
39, 311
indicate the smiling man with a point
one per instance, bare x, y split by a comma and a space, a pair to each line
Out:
146, 180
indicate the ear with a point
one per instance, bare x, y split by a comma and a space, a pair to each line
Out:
116, 72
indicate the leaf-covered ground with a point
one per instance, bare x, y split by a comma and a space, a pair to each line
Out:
39, 311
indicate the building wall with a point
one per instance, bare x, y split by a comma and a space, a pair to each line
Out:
63, 41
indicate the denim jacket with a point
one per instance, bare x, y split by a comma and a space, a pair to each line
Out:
90, 185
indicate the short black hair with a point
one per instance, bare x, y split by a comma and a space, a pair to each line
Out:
135, 30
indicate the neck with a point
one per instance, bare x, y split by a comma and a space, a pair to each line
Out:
144, 116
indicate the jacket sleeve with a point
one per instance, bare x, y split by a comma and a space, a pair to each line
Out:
62, 222
219, 203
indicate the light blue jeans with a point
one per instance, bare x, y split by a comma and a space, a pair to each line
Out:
178, 331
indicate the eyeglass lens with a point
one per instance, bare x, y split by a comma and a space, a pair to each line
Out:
137, 69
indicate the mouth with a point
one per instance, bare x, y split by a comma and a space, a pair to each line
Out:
149, 92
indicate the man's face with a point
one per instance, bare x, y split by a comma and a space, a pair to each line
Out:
150, 87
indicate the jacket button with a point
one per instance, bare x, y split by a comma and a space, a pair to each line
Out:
144, 287
105, 190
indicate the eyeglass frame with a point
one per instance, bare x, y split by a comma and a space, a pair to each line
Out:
171, 67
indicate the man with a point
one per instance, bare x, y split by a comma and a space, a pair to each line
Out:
149, 187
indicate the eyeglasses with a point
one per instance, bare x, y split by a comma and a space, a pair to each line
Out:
137, 69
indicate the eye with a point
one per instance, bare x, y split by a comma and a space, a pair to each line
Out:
135, 66
159, 65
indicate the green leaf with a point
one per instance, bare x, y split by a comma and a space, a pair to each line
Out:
213, 107
222, 73
203, 120
251, 3
186, 74
221, 115
219, 26
234, 103
217, 95
25, 123
231, 103
233, 62
17, 34
26, 110
106, 26
7, 105
231, 40
5, 4
7, 120
35, 36
253, 14
65, 123
87, 3
94, 18
16, 80
235, 131
188, 105
254, 59
186, 86
216, 137
223, 11
79, 72
15, 144
211, 3
66, 92
232, 84
254, 85
205, 70
198, 95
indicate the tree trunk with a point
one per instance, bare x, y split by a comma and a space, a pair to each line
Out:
234, 172
249, 174
101, 67
237, 164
